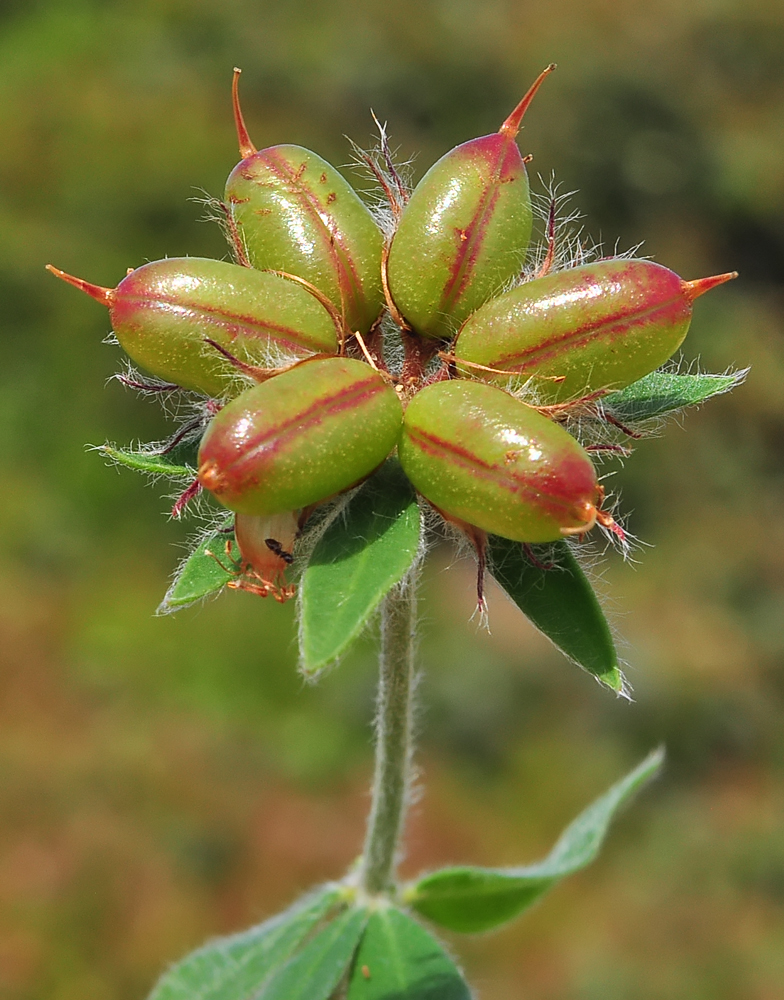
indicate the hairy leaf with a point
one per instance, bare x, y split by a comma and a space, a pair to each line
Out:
662, 392
200, 573
314, 972
399, 960
363, 553
236, 967
475, 899
559, 601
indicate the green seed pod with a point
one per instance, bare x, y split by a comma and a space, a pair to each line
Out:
600, 326
481, 456
296, 213
301, 437
163, 312
465, 231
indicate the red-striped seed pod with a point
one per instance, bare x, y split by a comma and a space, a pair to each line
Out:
482, 457
295, 212
164, 312
600, 326
301, 437
465, 231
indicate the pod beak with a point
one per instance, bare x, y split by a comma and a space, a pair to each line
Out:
97, 292
511, 126
246, 146
693, 289
210, 476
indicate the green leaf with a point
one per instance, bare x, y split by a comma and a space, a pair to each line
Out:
200, 574
475, 899
314, 972
399, 960
662, 392
178, 463
362, 554
560, 602
236, 967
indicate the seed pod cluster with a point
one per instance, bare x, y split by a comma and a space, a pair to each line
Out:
298, 315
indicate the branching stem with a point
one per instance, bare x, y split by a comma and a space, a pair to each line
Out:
392, 779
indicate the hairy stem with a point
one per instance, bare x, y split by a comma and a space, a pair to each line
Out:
391, 783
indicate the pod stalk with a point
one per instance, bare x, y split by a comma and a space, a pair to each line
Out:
391, 792
693, 289
512, 124
243, 139
97, 292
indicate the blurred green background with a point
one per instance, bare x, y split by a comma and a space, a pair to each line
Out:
167, 779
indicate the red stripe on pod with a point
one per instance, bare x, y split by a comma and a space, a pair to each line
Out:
485, 458
300, 437
296, 213
163, 312
599, 326
465, 230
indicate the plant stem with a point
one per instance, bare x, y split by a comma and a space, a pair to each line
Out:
394, 749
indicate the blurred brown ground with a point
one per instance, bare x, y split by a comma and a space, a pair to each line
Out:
163, 780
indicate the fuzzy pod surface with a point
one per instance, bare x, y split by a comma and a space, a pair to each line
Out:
163, 312
481, 456
599, 326
300, 437
465, 231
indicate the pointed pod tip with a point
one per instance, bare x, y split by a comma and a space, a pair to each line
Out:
243, 139
693, 289
512, 124
97, 292
589, 515
210, 476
